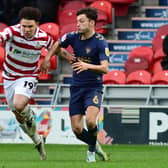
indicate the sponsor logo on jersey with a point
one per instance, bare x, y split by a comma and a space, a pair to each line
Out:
107, 52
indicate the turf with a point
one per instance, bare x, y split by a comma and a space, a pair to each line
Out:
73, 156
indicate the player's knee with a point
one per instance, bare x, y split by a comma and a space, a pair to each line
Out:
19, 118
18, 107
77, 130
91, 123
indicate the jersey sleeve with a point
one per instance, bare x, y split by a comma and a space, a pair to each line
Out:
50, 42
103, 50
6, 34
65, 40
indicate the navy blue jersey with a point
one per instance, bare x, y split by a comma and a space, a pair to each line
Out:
92, 51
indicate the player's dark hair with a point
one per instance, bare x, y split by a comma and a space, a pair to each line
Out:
30, 13
91, 13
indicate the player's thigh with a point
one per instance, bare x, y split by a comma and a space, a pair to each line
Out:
9, 87
20, 102
23, 86
77, 123
92, 112
24, 90
93, 97
26, 86
93, 100
76, 105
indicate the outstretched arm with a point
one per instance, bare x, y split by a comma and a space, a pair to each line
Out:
55, 49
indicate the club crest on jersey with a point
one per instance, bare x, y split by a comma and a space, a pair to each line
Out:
37, 45
95, 100
88, 50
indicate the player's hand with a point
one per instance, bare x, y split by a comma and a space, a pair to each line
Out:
79, 66
45, 66
72, 59
67, 56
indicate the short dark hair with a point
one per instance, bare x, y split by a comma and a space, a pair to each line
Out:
91, 13
30, 13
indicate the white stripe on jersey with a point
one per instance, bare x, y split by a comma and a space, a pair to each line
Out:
16, 28
28, 42
20, 66
8, 70
21, 50
26, 55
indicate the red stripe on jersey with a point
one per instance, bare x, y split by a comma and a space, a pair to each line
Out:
14, 32
33, 74
17, 77
26, 46
50, 42
44, 38
18, 70
22, 63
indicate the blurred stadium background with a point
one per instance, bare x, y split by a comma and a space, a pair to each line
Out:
135, 99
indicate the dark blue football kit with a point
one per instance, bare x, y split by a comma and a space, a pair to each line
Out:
86, 87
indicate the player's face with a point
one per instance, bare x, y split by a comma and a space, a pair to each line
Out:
28, 27
84, 24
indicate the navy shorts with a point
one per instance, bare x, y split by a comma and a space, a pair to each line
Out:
82, 97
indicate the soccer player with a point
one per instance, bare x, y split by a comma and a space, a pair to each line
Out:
91, 52
23, 44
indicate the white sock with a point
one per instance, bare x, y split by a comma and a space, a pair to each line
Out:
36, 138
27, 113
33, 135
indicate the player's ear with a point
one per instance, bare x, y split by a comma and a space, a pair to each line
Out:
92, 22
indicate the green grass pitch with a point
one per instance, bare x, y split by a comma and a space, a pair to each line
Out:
74, 156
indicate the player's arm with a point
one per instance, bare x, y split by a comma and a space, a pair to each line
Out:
55, 50
6, 34
82, 66
102, 68
66, 55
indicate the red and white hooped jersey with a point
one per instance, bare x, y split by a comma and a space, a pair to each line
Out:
22, 55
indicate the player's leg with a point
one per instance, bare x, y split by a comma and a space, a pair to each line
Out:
77, 110
93, 103
91, 114
82, 134
17, 96
27, 122
25, 87
25, 117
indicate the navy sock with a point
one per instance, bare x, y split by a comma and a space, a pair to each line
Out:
92, 139
89, 137
84, 136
